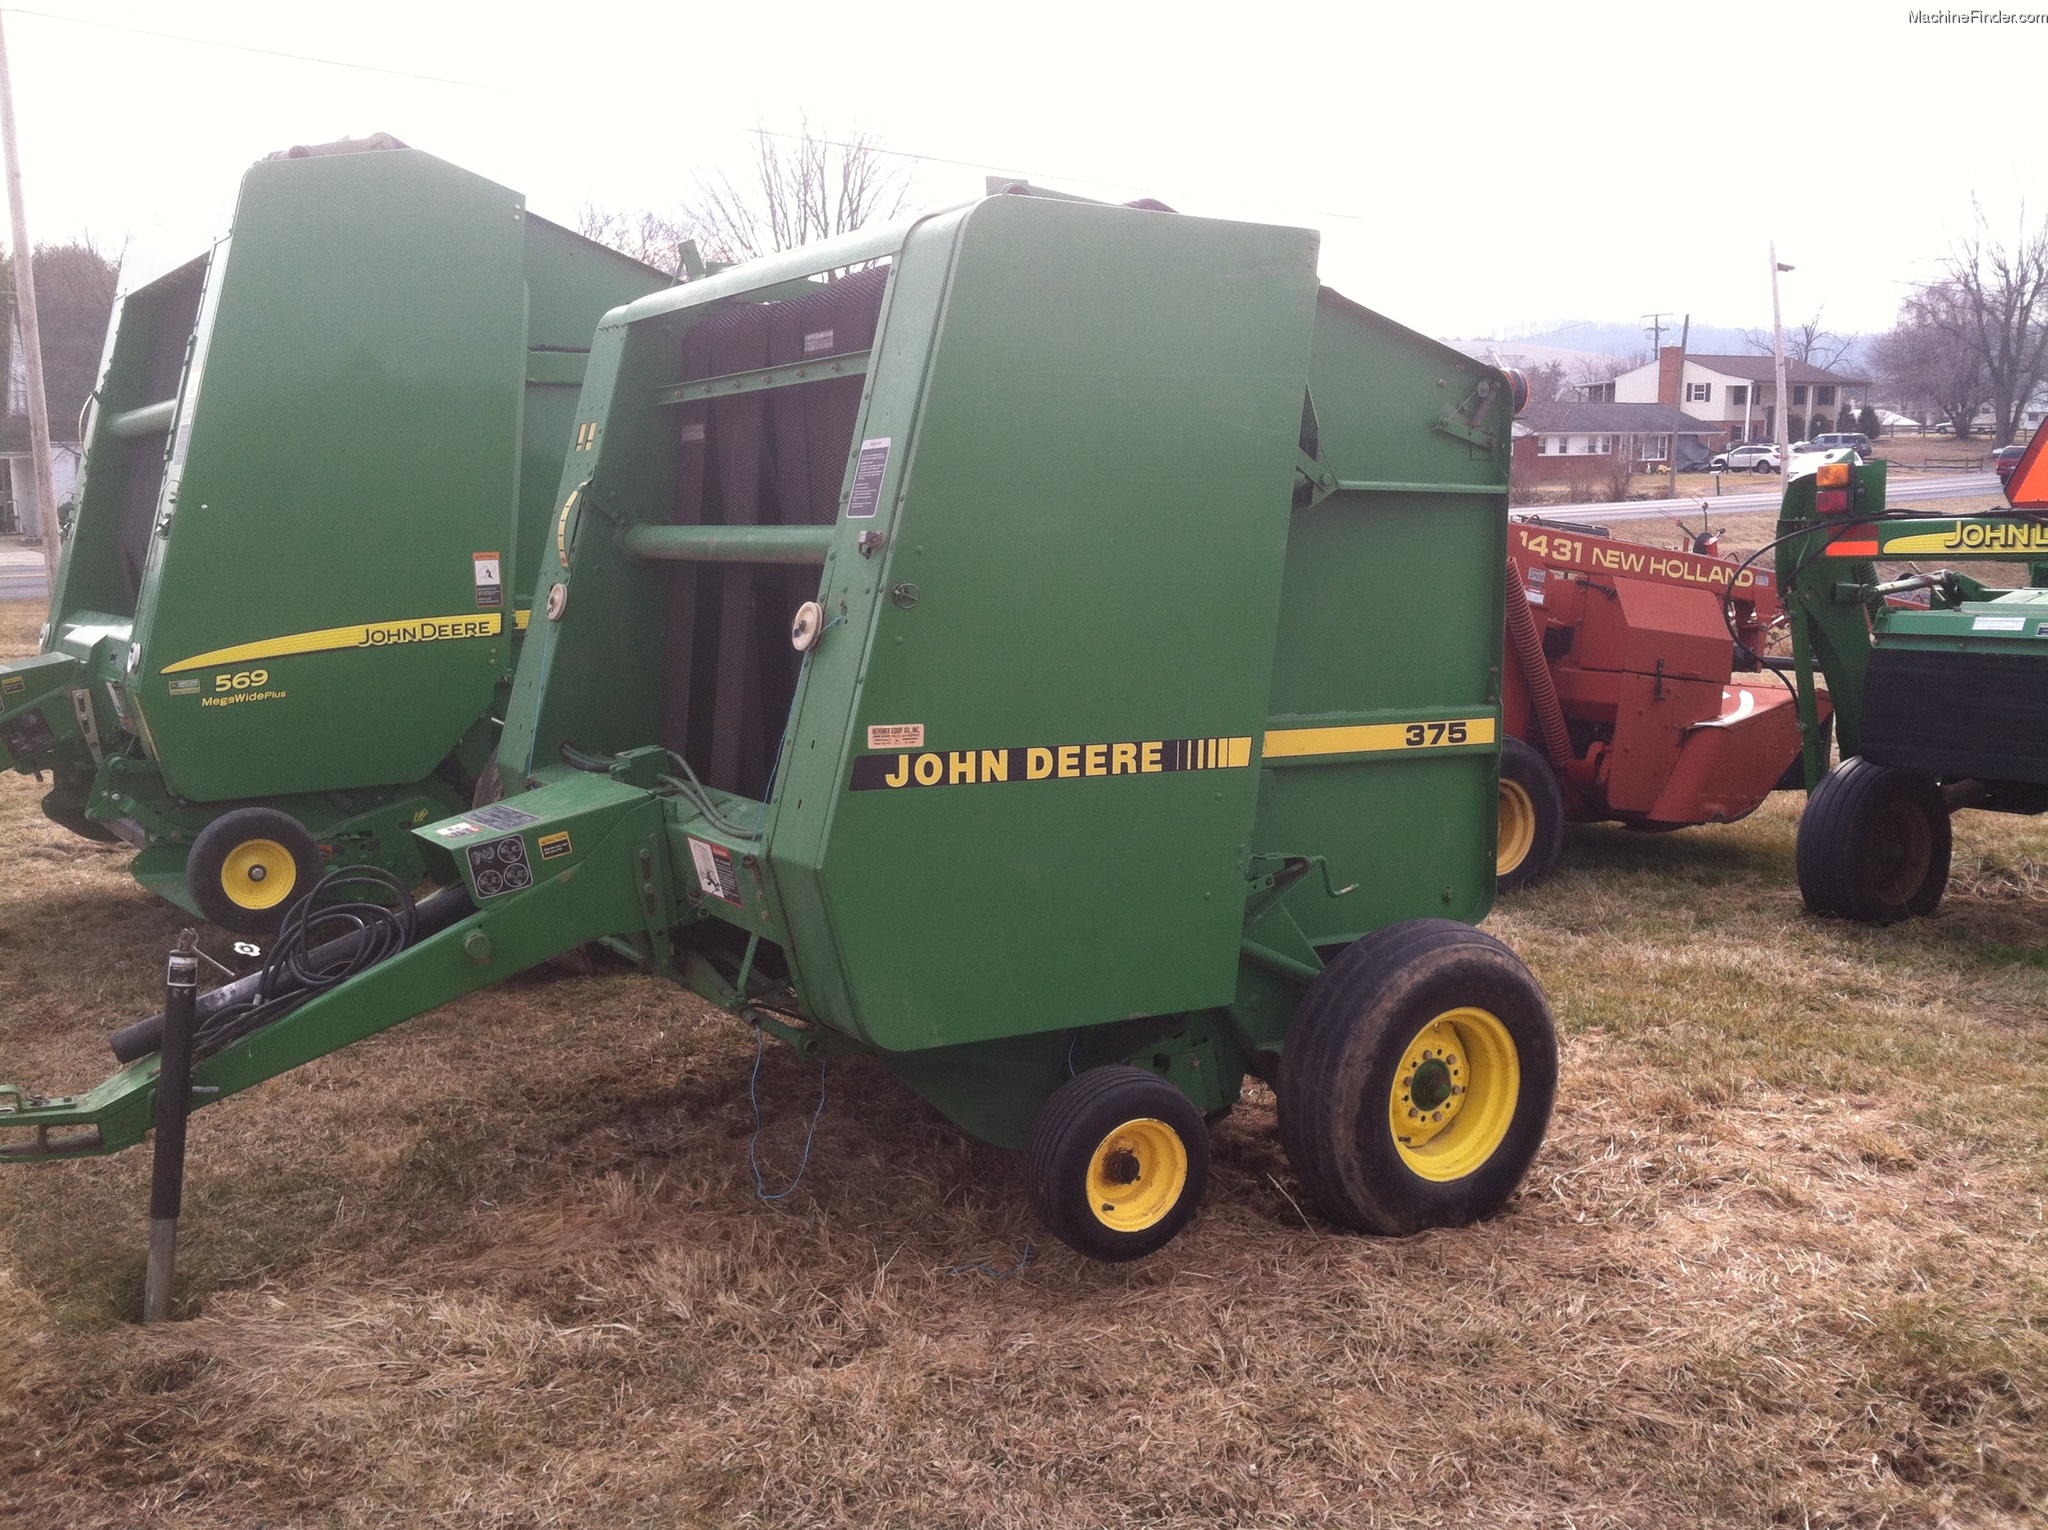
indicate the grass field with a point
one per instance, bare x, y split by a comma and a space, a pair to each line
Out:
1911, 458
1783, 1261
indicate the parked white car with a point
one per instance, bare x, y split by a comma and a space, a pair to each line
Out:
1757, 457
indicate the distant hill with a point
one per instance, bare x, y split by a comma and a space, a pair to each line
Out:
1602, 338
1613, 339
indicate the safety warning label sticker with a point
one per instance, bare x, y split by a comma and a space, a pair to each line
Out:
868, 469
501, 815
490, 583
715, 873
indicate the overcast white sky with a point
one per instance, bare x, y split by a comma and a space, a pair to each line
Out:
1474, 168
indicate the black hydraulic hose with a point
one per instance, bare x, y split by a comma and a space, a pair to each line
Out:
1785, 588
431, 916
1557, 740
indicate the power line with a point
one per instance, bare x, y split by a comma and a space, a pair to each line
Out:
437, 79
209, 42
983, 164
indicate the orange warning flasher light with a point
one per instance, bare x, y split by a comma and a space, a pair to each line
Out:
1832, 488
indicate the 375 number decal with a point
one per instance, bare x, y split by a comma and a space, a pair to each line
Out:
241, 680
1422, 735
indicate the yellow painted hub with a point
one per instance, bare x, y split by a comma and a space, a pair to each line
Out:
1517, 826
259, 873
1137, 1175
1454, 1094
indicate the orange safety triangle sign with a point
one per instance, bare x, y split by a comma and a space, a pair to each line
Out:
2028, 487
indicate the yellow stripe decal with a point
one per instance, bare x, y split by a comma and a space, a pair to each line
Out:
1970, 537
521, 618
1373, 738
424, 629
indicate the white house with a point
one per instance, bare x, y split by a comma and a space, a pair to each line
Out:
1736, 394
19, 511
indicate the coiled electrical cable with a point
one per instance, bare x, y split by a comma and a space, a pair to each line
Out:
366, 901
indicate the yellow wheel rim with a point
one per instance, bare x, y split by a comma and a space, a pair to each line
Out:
1137, 1175
1454, 1094
258, 873
1517, 826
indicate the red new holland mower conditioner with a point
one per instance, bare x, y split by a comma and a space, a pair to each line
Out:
1634, 691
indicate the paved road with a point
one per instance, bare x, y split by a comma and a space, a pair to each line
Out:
21, 572
1899, 491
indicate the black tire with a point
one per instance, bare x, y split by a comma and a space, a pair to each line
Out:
1874, 843
1430, 987
1531, 800
1091, 1130
249, 866
1763, 467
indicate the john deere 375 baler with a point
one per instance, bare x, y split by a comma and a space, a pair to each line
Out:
1004, 661
320, 459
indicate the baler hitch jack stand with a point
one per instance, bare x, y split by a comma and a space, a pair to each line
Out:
173, 1107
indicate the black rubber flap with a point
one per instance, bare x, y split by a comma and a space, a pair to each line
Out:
1958, 714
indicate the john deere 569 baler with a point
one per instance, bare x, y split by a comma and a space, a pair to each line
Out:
1002, 662
319, 460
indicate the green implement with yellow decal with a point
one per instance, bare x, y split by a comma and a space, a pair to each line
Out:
1939, 682
320, 459
990, 645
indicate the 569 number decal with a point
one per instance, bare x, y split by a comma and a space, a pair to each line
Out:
1422, 735
241, 680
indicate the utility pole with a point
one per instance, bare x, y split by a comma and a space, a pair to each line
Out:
1656, 329
31, 334
1778, 349
1671, 447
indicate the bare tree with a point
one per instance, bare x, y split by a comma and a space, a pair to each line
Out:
803, 189
1547, 382
649, 237
75, 285
1590, 372
1929, 357
1999, 298
1811, 342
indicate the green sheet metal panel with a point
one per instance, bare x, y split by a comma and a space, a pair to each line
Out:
1092, 500
1389, 622
570, 283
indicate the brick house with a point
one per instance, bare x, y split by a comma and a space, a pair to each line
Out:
1556, 442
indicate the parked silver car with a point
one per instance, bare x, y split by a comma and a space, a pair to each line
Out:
1757, 457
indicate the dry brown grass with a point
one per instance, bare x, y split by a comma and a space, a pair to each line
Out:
1781, 1262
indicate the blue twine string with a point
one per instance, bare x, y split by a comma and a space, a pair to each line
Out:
754, 1142
989, 1269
